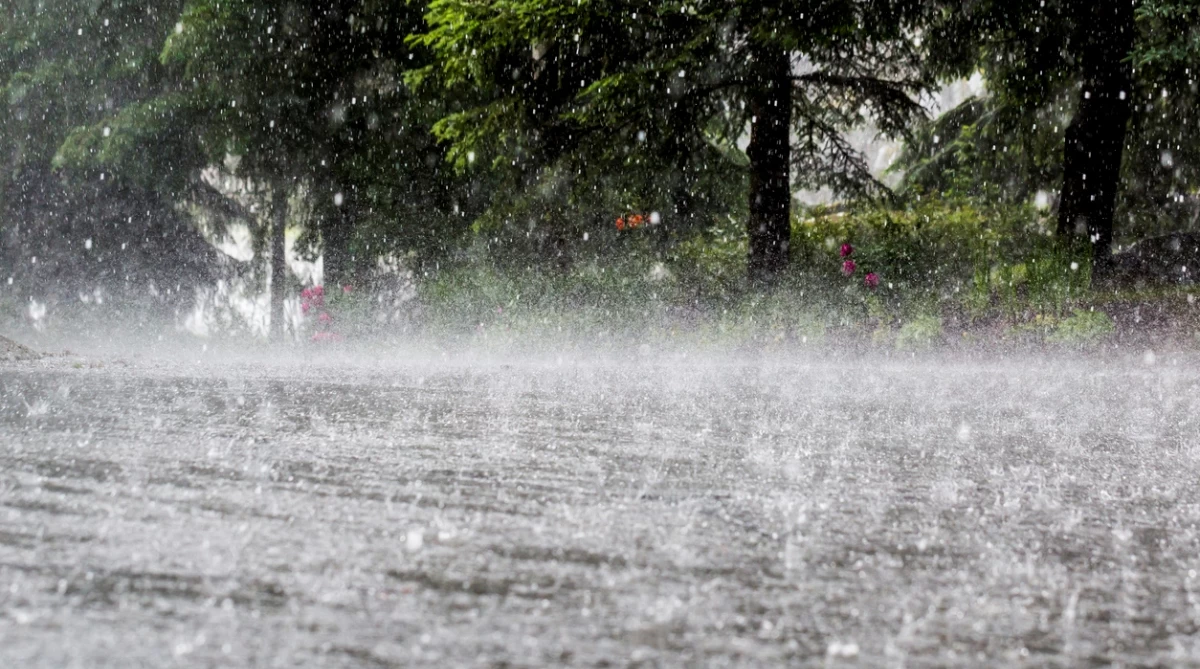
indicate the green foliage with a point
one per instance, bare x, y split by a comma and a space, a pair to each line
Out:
713, 262
921, 331
937, 261
656, 95
67, 66
936, 251
1082, 327
1009, 144
983, 149
512, 133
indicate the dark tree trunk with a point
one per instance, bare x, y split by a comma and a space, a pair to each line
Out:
1095, 139
683, 205
683, 152
337, 231
770, 224
279, 213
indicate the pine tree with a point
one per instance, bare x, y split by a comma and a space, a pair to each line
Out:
1086, 99
560, 80
66, 65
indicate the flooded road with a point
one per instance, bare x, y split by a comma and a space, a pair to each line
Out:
540, 514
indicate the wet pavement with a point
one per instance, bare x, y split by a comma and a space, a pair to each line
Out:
697, 512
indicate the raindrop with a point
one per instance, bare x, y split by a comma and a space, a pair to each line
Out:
414, 540
844, 650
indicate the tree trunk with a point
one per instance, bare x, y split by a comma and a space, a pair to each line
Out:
279, 212
337, 230
770, 226
1095, 140
682, 152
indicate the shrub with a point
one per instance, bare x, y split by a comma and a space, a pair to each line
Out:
1082, 327
935, 253
920, 332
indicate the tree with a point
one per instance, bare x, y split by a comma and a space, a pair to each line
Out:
1088, 99
98, 230
313, 92
1095, 139
606, 81
298, 98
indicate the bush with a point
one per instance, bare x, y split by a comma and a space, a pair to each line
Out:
916, 268
920, 332
1082, 327
937, 254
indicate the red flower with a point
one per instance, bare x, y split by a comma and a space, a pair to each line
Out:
635, 220
847, 250
848, 267
871, 280
620, 222
312, 297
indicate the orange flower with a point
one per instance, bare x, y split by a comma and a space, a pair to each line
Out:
635, 220
620, 222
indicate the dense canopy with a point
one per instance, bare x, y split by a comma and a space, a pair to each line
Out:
424, 133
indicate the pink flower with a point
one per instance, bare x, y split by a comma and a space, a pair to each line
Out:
871, 280
305, 306
847, 250
324, 317
318, 290
848, 267
346, 289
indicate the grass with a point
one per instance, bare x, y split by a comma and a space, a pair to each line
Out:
950, 273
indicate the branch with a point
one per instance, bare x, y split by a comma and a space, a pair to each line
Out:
206, 196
